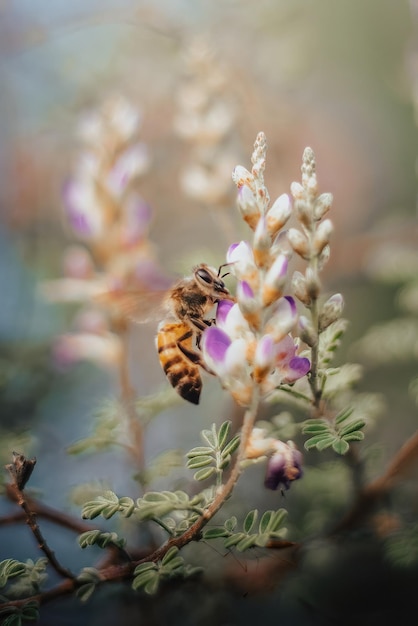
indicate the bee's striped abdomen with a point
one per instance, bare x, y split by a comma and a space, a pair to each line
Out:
182, 374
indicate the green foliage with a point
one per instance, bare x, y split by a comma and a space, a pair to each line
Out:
111, 427
9, 569
389, 342
329, 342
107, 430
28, 577
108, 505
402, 547
161, 465
149, 575
213, 458
339, 379
337, 433
269, 527
281, 426
174, 511
101, 539
88, 579
17, 616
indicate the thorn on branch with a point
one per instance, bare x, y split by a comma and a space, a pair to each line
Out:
20, 469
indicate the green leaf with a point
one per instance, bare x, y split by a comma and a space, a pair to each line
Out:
315, 426
152, 586
144, 579
106, 505
247, 542
351, 427
145, 567
30, 611
250, 520
199, 461
343, 415
172, 565
199, 450
357, 436
211, 437
84, 592
169, 555
326, 443
155, 496
223, 433
340, 446
9, 569
90, 577
262, 540
215, 533
319, 440
277, 520
231, 446
204, 473
101, 539
234, 539
264, 524
126, 506
231, 523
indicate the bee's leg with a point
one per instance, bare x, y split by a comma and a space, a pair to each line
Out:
194, 357
199, 323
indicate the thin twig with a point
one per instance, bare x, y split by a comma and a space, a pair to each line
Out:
19, 497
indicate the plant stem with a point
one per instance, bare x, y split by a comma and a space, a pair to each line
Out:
136, 434
19, 497
223, 493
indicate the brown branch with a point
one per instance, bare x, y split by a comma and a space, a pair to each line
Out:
373, 493
33, 525
44, 511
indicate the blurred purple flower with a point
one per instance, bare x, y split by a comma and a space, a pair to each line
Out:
284, 466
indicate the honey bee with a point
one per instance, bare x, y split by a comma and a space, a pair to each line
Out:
187, 304
189, 301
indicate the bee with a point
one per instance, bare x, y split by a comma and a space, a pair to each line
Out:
188, 302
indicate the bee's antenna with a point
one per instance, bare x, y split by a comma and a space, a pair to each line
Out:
225, 265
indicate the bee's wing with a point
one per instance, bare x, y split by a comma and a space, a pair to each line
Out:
139, 306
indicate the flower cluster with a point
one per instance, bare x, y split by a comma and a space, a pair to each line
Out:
204, 119
111, 222
251, 345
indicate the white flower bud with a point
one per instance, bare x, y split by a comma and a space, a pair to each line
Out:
313, 284
297, 190
299, 288
248, 207
275, 280
299, 242
331, 311
322, 205
306, 331
241, 176
324, 257
322, 236
278, 214
262, 243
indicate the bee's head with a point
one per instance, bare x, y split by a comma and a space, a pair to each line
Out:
208, 279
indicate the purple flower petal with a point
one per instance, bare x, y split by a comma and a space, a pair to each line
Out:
298, 367
138, 217
244, 290
81, 207
215, 344
283, 468
224, 306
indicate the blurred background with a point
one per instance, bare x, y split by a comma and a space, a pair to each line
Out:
341, 77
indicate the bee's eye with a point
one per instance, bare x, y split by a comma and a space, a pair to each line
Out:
204, 275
